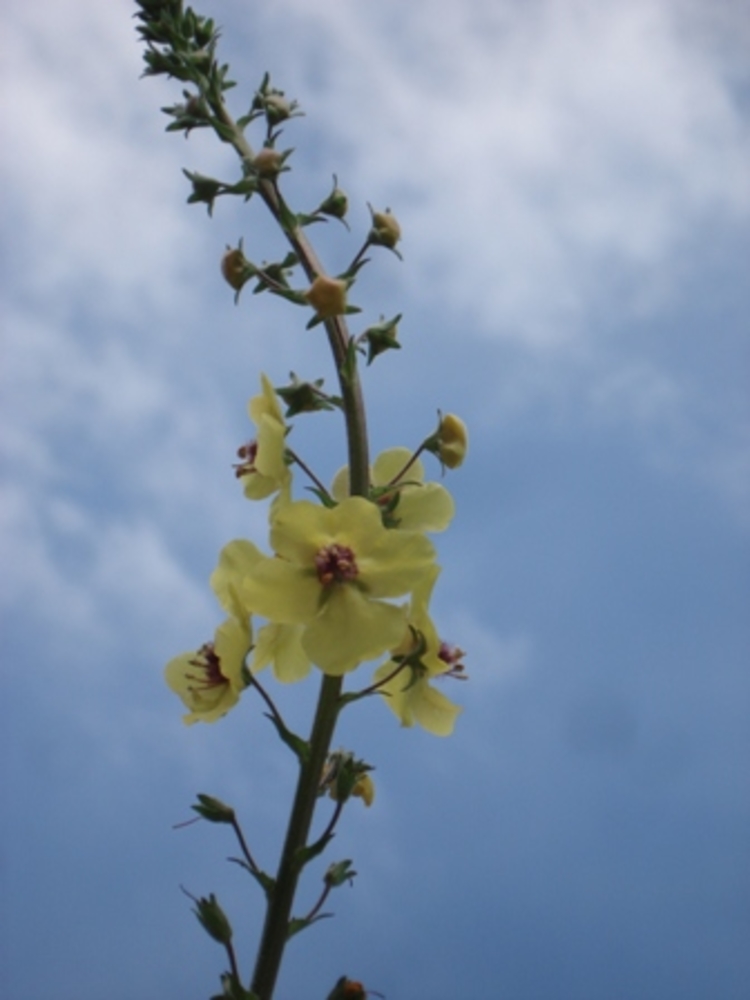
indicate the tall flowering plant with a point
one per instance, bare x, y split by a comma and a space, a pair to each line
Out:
340, 591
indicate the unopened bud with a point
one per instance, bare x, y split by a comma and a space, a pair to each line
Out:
382, 337
385, 232
268, 162
277, 108
234, 268
338, 873
213, 919
453, 441
336, 204
214, 810
327, 296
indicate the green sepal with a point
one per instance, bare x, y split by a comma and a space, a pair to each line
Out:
351, 272
276, 272
307, 220
214, 810
338, 873
306, 397
336, 204
381, 337
205, 189
232, 990
213, 919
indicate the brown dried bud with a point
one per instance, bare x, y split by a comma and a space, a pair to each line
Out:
234, 268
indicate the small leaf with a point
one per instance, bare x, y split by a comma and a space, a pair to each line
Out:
300, 747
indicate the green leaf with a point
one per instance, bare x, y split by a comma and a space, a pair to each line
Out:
300, 747
297, 924
267, 884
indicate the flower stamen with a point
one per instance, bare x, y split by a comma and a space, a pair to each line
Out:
336, 564
209, 664
452, 655
247, 453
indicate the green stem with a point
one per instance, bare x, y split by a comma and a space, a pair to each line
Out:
275, 929
336, 327
278, 914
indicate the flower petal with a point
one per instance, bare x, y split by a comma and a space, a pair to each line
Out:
277, 590
433, 711
389, 464
349, 629
281, 646
236, 561
428, 507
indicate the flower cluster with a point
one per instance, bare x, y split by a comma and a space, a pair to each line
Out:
348, 581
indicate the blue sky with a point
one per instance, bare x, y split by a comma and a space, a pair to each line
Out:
571, 179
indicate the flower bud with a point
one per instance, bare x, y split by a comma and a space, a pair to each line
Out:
277, 108
213, 919
214, 810
338, 873
453, 441
382, 337
234, 268
385, 232
347, 989
327, 296
268, 162
336, 204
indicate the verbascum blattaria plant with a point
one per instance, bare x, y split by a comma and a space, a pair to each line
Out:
339, 593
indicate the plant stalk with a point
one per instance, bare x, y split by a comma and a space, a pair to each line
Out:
279, 910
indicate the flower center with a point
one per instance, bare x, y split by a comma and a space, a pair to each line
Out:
209, 665
247, 454
452, 655
335, 564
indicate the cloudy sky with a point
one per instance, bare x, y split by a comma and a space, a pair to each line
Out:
572, 182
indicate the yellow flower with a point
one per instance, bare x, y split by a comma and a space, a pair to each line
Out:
210, 681
453, 441
408, 692
331, 571
263, 469
364, 789
281, 646
419, 506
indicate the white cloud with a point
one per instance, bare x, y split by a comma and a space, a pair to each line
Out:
545, 158
554, 143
